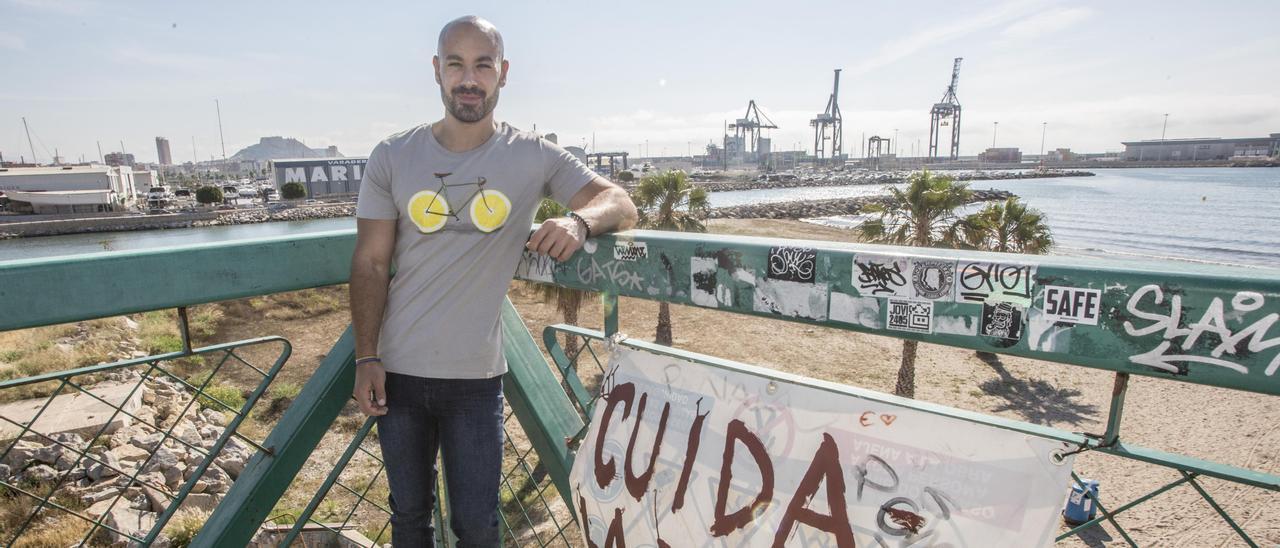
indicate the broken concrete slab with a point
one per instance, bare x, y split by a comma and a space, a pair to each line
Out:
74, 411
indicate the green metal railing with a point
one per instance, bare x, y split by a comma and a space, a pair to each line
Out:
1194, 324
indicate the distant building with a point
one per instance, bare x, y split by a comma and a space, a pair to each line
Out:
162, 152
1061, 155
143, 180
1190, 150
1001, 156
118, 159
332, 152
322, 177
68, 189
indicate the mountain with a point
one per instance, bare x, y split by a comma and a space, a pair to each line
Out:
275, 148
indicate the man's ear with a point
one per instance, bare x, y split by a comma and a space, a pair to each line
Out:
502, 81
435, 67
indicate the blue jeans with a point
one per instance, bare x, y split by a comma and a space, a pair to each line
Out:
463, 418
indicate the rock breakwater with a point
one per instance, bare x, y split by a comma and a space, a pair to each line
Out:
823, 208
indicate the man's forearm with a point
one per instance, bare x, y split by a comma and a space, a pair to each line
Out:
368, 300
609, 211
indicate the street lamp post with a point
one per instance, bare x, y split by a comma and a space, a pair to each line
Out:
1044, 128
1163, 148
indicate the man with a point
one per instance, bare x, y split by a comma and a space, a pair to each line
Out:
451, 202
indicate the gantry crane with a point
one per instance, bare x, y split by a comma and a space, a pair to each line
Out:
749, 126
876, 147
829, 119
948, 107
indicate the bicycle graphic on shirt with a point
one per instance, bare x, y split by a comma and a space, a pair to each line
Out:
430, 209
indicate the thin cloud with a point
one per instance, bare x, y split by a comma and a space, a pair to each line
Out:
65, 7
902, 48
168, 60
12, 41
1047, 23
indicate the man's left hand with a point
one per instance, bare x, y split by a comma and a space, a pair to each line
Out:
558, 238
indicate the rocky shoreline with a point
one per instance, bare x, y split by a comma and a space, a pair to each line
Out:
306, 213
175, 220
805, 209
837, 178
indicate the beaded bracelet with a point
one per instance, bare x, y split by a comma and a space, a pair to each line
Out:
585, 224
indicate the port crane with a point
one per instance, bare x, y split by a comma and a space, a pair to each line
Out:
829, 119
944, 111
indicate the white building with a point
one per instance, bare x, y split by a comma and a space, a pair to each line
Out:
143, 181
68, 189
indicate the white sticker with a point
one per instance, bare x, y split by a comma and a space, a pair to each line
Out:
911, 316
1072, 304
630, 251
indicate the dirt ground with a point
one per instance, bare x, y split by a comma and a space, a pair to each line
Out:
1220, 425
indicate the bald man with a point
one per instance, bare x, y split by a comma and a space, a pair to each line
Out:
450, 203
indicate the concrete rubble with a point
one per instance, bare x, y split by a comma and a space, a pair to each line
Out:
100, 479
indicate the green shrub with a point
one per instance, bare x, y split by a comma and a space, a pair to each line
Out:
163, 343
293, 191
626, 177
209, 195
230, 395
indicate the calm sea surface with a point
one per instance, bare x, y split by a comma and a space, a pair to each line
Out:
1220, 215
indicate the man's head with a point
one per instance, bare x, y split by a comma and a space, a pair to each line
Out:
470, 68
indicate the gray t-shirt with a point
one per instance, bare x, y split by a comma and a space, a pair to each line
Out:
457, 248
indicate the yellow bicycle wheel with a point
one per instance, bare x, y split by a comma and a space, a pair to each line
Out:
489, 210
428, 210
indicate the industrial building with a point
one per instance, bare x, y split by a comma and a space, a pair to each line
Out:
1191, 150
68, 189
1001, 155
322, 177
119, 159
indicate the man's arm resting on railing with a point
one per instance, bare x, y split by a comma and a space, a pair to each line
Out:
602, 205
370, 277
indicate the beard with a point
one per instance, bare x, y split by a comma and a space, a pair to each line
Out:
469, 114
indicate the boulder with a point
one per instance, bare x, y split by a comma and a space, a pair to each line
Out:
128, 520
40, 473
166, 463
22, 453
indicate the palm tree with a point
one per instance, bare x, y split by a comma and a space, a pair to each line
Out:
921, 215
567, 300
668, 201
1009, 227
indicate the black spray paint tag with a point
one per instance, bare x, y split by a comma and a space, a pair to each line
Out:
793, 264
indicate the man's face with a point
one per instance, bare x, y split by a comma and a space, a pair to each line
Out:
470, 71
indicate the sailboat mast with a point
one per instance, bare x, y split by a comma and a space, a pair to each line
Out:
33, 147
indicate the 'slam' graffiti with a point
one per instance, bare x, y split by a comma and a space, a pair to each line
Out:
1146, 304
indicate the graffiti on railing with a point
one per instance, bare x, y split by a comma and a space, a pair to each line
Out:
1192, 339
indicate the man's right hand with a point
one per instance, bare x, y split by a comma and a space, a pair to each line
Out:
370, 391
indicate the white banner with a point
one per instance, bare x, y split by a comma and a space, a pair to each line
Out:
743, 460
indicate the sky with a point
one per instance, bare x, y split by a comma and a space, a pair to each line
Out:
620, 77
